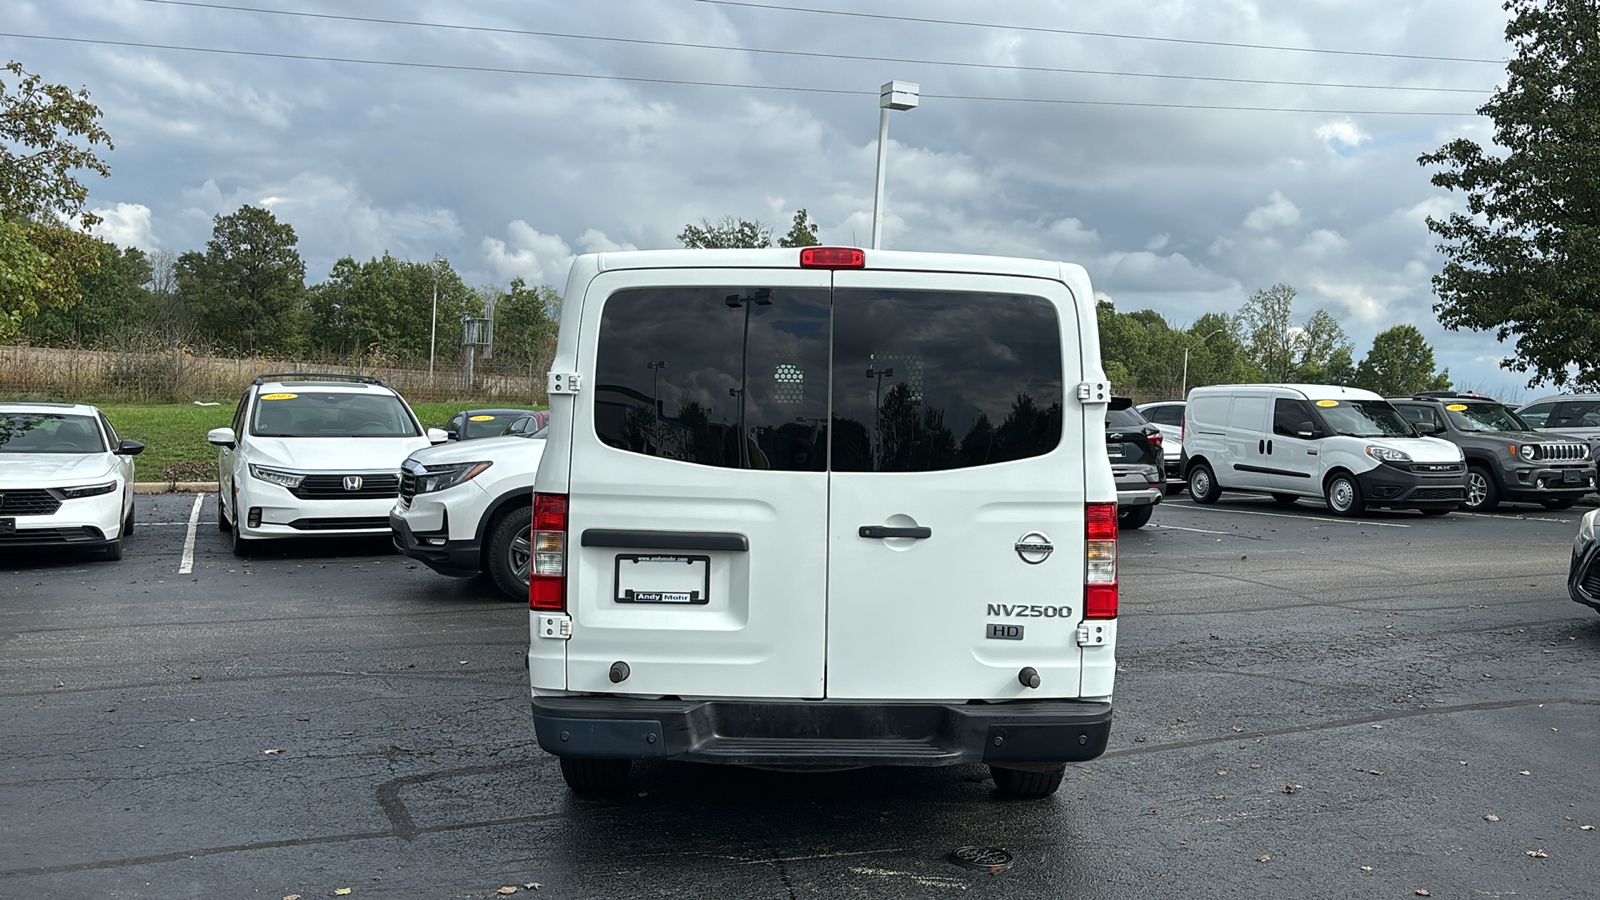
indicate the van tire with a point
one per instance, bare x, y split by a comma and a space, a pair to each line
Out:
1015, 783
1483, 495
241, 545
511, 527
1344, 495
595, 776
1285, 499
1131, 517
1203, 484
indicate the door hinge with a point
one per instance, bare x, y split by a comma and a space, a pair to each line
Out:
1094, 392
563, 383
1092, 634
556, 628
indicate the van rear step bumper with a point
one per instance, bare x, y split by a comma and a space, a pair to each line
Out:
822, 733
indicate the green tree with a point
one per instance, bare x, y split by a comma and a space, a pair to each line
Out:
112, 302
47, 134
386, 306
1399, 364
726, 233
803, 233
525, 323
1321, 351
1524, 260
1315, 352
247, 290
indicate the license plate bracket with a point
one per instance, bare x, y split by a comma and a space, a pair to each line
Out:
663, 578
1571, 476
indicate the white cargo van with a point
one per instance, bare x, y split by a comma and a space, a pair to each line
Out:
1346, 446
826, 507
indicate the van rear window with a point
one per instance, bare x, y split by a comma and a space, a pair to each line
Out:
918, 381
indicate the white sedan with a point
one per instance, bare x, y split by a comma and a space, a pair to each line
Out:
66, 479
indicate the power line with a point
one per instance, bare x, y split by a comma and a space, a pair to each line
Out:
714, 84
487, 29
1104, 34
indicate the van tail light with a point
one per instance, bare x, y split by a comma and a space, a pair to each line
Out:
1100, 561
547, 565
832, 258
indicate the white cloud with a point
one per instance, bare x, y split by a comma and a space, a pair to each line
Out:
1342, 137
538, 258
593, 241
1158, 243
126, 225
1323, 243
1277, 212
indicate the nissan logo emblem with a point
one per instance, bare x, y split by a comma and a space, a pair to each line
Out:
1034, 548
352, 482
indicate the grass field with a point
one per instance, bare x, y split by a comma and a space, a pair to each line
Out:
174, 435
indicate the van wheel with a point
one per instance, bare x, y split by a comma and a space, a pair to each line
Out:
1483, 495
596, 776
1284, 499
241, 545
1014, 783
1131, 517
1558, 502
1203, 485
1344, 496
510, 551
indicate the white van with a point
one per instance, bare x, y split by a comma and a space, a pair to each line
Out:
1343, 445
826, 507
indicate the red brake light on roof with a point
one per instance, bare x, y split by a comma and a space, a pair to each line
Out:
832, 258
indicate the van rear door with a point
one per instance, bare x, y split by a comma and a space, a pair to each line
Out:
955, 456
697, 522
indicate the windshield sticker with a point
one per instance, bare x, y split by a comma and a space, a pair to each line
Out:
1327, 403
491, 418
279, 396
1457, 407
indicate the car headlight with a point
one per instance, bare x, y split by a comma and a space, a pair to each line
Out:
437, 478
87, 490
1530, 452
1586, 527
281, 477
1388, 455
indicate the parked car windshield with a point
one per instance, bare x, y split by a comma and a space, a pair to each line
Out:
27, 432
331, 414
1364, 418
1484, 417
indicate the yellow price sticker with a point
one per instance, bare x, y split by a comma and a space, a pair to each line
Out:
279, 396
1327, 403
480, 418
1457, 407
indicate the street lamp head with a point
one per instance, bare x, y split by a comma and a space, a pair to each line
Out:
657, 365
899, 95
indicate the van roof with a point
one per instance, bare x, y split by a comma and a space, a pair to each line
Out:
1311, 391
876, 260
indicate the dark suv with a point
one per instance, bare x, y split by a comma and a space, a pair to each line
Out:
1134, 446
1507, 459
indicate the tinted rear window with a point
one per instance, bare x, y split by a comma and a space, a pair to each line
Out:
919, 380
1124, 418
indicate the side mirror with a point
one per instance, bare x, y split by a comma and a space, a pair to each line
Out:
129, 448
437, 436
1428, 427
452, 435
222, 437
1308, 431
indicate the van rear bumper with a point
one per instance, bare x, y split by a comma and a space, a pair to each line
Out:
822, 733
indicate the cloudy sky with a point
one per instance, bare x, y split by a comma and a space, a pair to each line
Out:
1186, 152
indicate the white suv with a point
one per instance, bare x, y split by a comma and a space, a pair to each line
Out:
313, 455
66, 480
467, 507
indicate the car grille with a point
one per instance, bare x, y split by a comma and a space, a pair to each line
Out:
1439, 493
1560, 451
1438, 468
408, 487
340, 524
331, 487
29, 502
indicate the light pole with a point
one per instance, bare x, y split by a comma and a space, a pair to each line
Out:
761, 297
1185, 389
655, 405
893, 95
877, 407
433, 329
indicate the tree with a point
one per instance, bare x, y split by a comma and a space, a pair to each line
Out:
1321, 351
803, 233
47, 134
1314, 352
385, 305
525, 323
112, 300
1524, 260
247, 289
1399, 364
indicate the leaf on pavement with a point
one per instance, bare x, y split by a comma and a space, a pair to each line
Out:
508, 889
1491, 817
1537, 854
273, 752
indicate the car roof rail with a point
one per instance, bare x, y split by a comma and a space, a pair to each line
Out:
51, 403
320, 376
1449, 395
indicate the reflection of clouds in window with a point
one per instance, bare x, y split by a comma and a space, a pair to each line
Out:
789, 384
907, 370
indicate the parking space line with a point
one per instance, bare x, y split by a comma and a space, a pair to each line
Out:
187, 565
1196, 530
1512, 516
1248, 512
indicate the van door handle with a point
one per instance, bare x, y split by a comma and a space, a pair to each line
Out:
1269, 448
1261, 446
889, 531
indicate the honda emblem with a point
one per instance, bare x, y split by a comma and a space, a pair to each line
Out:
352, 482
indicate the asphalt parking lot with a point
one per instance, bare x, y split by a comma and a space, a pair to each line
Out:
1308, 707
